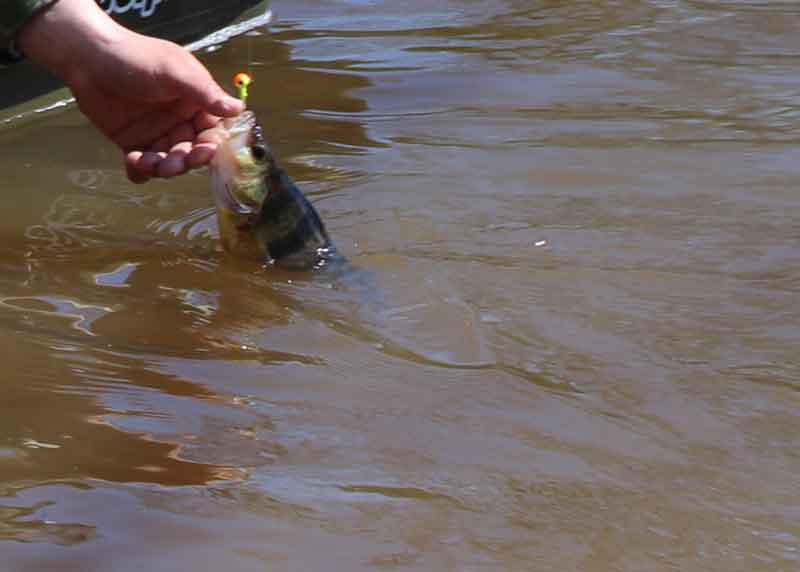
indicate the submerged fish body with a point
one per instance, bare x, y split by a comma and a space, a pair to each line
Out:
261, 212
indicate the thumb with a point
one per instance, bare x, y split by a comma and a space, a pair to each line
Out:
193, 81
214, 100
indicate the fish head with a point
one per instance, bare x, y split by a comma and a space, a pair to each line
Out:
241, 167
261, 214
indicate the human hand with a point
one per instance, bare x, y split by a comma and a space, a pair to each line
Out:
150, 97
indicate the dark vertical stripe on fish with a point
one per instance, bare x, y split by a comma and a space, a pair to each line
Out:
303, 234
279, 202
289, 221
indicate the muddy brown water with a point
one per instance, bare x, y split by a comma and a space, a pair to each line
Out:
572, 342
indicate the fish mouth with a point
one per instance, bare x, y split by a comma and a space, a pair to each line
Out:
239, 125
233, 134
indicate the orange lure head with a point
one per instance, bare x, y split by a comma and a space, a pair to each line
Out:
242, 81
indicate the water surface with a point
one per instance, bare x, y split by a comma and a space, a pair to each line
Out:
571, 344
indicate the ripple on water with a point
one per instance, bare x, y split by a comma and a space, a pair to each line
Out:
570, 341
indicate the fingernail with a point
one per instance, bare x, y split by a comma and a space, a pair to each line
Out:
232, 106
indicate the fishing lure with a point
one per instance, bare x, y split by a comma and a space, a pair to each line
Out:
242, 81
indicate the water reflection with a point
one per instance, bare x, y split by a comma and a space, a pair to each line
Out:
567, 338
102, 267
12, 527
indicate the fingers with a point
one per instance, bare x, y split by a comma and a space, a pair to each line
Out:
186, 146
224, 106
203, 121
182, 157
174, 163
141, 166
186, 131
192, 80
144, 131
214, 136
180, 133
201, 154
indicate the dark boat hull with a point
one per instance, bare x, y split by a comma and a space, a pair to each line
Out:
181, 21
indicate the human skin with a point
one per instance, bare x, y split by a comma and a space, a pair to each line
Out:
151, 97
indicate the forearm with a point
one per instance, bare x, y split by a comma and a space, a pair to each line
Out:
149, 96
14, 15
62, 35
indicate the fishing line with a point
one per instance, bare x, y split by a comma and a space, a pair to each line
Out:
243, 80
249, 54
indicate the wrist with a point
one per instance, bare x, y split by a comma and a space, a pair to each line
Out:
65, 36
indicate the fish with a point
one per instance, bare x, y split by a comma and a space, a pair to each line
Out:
261, 214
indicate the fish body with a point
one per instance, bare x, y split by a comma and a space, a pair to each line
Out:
261, 213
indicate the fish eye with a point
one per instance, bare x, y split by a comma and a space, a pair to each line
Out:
259, 152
